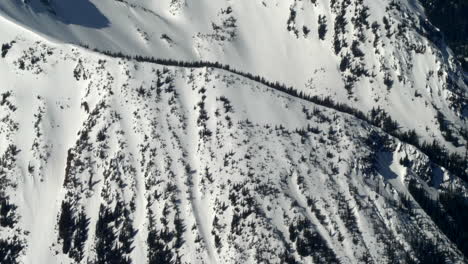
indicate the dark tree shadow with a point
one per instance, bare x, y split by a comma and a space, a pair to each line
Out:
72, 12
465, 110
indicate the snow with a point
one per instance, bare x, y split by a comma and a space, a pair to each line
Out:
263, 46
152, 140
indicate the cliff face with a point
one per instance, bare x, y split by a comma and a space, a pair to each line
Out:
228, 132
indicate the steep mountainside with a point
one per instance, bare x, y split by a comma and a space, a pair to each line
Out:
230, 132
367, 54
450, 17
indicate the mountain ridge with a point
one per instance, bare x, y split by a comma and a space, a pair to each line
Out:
114, 159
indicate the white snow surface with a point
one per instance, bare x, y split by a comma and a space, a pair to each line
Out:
280, 41
238, 163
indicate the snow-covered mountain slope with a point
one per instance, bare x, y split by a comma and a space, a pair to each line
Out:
109, 160
367, 53
197, 165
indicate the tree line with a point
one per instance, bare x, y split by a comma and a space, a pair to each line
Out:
438, 154
449, 212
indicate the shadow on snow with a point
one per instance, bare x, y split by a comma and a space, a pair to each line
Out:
77, 12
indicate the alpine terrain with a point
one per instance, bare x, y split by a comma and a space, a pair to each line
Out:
229, 131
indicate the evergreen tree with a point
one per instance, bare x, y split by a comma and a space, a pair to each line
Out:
66, 226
